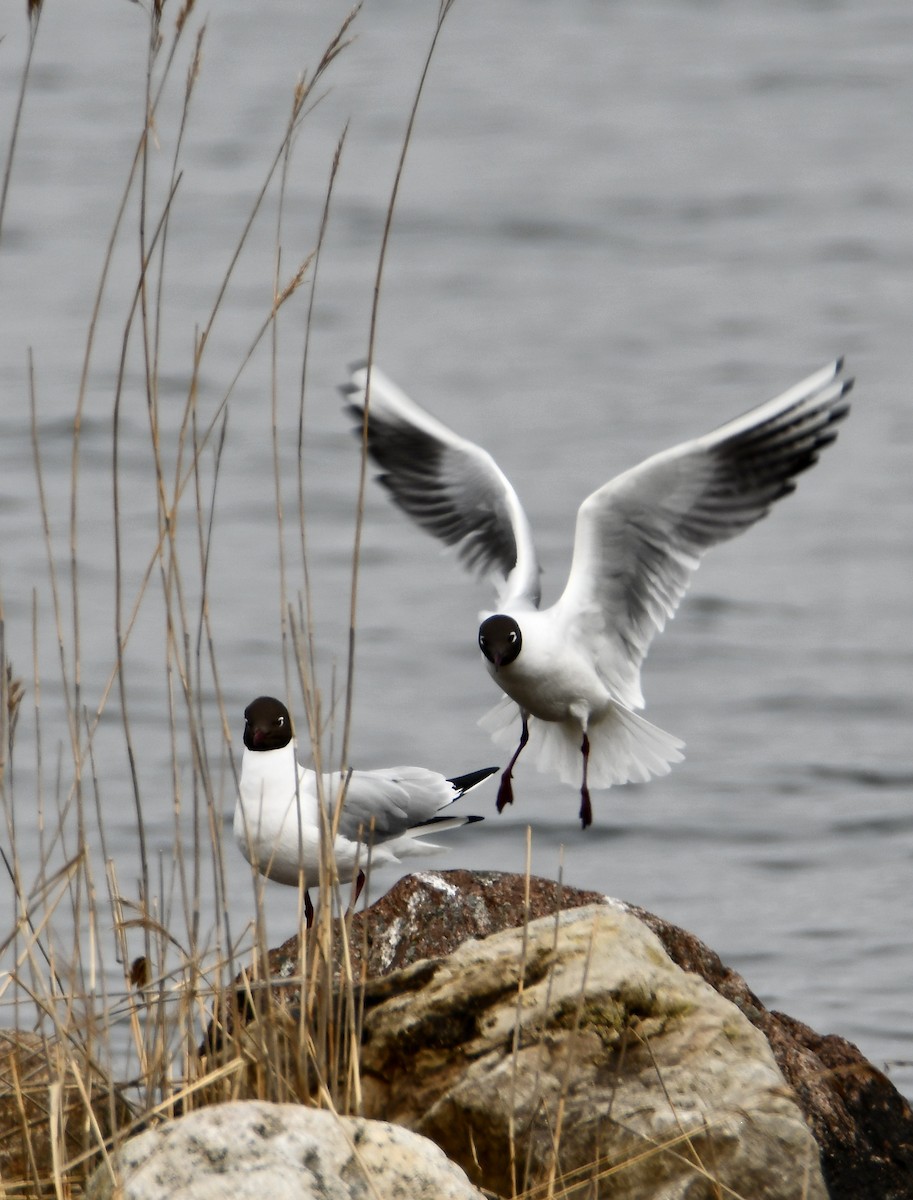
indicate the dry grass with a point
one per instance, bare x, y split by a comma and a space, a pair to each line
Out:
66, 1099
89, 1063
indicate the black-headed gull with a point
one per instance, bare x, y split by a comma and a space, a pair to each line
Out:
575, 667
386, 813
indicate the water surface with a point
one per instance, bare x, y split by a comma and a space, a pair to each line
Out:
618, 226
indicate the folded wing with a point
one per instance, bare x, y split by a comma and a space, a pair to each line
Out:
386, 803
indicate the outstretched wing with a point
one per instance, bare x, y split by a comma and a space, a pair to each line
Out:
447, 484
640, 537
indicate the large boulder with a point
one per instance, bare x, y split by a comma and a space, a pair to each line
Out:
574, 1050
863, 1125
253, 1150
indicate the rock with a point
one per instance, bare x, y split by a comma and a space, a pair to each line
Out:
254, 1150
612, 1064
428, 915
863, 1126
30, 1065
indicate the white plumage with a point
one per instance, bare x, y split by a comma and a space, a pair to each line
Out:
572, 671
388, 811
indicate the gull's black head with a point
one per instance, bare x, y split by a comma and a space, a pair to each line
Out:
500, 639
267, 725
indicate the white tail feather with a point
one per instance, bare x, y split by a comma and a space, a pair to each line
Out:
624, 748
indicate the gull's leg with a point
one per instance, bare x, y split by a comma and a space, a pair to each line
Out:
359, 884
586, 812
505, 791
308, 911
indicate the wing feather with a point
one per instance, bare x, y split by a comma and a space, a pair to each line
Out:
640, 537
448, 485
391, 800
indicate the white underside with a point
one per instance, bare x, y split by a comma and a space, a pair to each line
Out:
624, 748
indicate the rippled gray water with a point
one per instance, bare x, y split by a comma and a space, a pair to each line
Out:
619, 224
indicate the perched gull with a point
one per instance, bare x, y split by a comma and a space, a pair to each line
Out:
575, 667
385, 812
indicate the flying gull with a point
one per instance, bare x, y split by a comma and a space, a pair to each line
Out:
573, 670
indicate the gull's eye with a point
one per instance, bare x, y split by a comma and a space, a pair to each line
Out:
512, 636
280, 721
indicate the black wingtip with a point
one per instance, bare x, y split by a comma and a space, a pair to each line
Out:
464, 783
357, 413
449, 821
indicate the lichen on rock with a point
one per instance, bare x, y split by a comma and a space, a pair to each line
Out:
605, 1066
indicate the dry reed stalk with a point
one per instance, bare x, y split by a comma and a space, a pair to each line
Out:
443, 10
34, 18
171, 987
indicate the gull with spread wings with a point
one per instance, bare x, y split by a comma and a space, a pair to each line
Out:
573, 670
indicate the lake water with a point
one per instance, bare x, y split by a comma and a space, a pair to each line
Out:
619, 224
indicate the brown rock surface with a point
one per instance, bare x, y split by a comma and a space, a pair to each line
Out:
862, 1124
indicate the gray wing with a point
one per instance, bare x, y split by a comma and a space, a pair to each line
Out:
395, 799
447, 484
640, 537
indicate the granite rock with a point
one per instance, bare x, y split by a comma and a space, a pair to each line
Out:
863, 1125
251, 1150
575, 1050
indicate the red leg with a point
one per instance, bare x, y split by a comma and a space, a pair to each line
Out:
505, 791
586, 812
